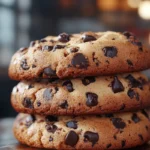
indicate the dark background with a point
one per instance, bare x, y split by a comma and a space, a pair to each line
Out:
24, 20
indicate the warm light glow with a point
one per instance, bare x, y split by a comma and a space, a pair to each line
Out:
144, 10
134, 3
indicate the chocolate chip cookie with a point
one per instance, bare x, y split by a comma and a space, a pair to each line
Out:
88, 95
111, 131
80, 55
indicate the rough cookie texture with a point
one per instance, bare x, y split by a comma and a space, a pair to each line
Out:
76, 55
89, 95
85, 132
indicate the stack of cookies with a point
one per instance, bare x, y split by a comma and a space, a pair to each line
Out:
82, 91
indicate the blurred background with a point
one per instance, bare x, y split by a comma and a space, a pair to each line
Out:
22, 21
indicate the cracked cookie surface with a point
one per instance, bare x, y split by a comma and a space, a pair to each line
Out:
80, 55
125, 130
89, 95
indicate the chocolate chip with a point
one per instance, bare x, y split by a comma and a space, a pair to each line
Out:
123, 143
33, 66
115, 137
71, 138
27, 103
131, 93
51, 118
79, 61
47, 48
49, 72
122, 107
30, 86
30, 120
51, 128
63, 37
127, 34
32, 43
118, 123
91, 137
134, 82
91, 99
58, 47
87, 80
50, 139
74, 49
108, 146
117, 85
110, 51
24, 64
141, 137
68, 85
72, 124
129, 62
38, 103
88, 38
146, 127
47, 95
109, 115
64, 105
135, 118
145, 113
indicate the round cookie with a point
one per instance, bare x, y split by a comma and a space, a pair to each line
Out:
89, 95
85, 132
78, 55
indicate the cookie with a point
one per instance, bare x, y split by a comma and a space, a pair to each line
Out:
89, 95
80, 55
125, 130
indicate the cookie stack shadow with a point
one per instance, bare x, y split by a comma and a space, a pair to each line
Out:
82, 91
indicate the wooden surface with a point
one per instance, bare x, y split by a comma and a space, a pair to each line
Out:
8, 142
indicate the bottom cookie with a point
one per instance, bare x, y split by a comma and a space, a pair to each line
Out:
113, 131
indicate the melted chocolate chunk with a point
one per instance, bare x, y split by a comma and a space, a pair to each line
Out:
141, 137
58, 47
27, 103
32, 43
43, 40
91, 137
117, 85
23, 49
145, 113
91, 99
71, 138
30, 86
64, 105
49, 72
88, 38
122, 107
51, 118
68, 85
63, 37
87, 80
47, 95
51, 128
30, 120
50, 139
118, 123
146, 127
110, 51
38, 103
129, 62
123, 143
47, 48
24, 64
135, 118
79, 61
133, 82
72, 124
127, 34
74, 49
131, 93
108, 146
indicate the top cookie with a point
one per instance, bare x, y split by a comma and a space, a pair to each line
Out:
78, 55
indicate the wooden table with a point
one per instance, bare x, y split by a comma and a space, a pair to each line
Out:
8, 142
